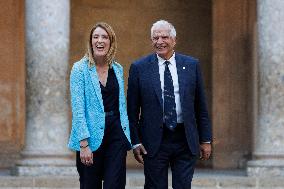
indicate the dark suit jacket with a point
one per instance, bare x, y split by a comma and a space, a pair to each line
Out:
145, 103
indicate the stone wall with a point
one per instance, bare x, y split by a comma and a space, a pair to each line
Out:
12, 81
233, 81
132, 21
220, 34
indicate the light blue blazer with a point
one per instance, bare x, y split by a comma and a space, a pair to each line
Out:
88, 116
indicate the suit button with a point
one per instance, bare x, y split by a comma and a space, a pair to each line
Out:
101, 128
124, 128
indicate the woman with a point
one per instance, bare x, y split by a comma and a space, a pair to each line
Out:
100, 126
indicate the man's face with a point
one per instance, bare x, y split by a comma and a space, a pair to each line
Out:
163, 43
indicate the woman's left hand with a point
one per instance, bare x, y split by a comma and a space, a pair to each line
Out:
86, 156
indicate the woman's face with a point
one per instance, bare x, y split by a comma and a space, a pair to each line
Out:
100, 42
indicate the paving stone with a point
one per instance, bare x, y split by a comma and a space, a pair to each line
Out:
236, 182
10, 181
135, 180
271, 182
57, 182
204, 182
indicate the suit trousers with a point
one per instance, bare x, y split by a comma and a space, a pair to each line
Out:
109, 160
173, 152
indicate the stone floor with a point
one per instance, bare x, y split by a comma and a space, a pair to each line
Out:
203, 179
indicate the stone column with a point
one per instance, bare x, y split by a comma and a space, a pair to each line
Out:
268, 154
47, 122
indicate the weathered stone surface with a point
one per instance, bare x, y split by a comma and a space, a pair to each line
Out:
270, 138
45, 170
266, 168
269, 135
47, 129
47, 38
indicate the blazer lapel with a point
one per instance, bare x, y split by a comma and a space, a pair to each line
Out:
96, 84
156, 78
181, 71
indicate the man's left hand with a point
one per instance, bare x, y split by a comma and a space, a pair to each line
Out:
205, 151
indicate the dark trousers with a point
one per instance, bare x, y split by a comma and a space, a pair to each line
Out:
173, 152
109, 160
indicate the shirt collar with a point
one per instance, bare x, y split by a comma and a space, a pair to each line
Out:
161, 61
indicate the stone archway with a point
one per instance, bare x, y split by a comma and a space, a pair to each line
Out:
132, 21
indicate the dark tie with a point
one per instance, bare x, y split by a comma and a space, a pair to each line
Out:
170, 115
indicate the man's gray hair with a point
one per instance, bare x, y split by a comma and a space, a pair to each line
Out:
164, 24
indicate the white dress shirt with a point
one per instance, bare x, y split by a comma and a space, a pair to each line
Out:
173, 70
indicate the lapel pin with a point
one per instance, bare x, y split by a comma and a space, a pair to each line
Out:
183, 68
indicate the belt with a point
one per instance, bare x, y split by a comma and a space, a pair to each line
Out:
179, 126
111, 113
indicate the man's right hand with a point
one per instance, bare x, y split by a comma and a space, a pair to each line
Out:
138, 152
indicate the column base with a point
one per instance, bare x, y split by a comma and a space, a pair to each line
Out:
44, 171
266, 168
45, 166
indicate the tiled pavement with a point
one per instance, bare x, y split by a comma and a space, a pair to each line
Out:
203, 179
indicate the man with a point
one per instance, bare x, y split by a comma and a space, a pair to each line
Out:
169, 122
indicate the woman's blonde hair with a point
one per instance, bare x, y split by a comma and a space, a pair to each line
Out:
112, 50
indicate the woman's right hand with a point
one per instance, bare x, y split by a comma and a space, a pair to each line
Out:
86, 156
